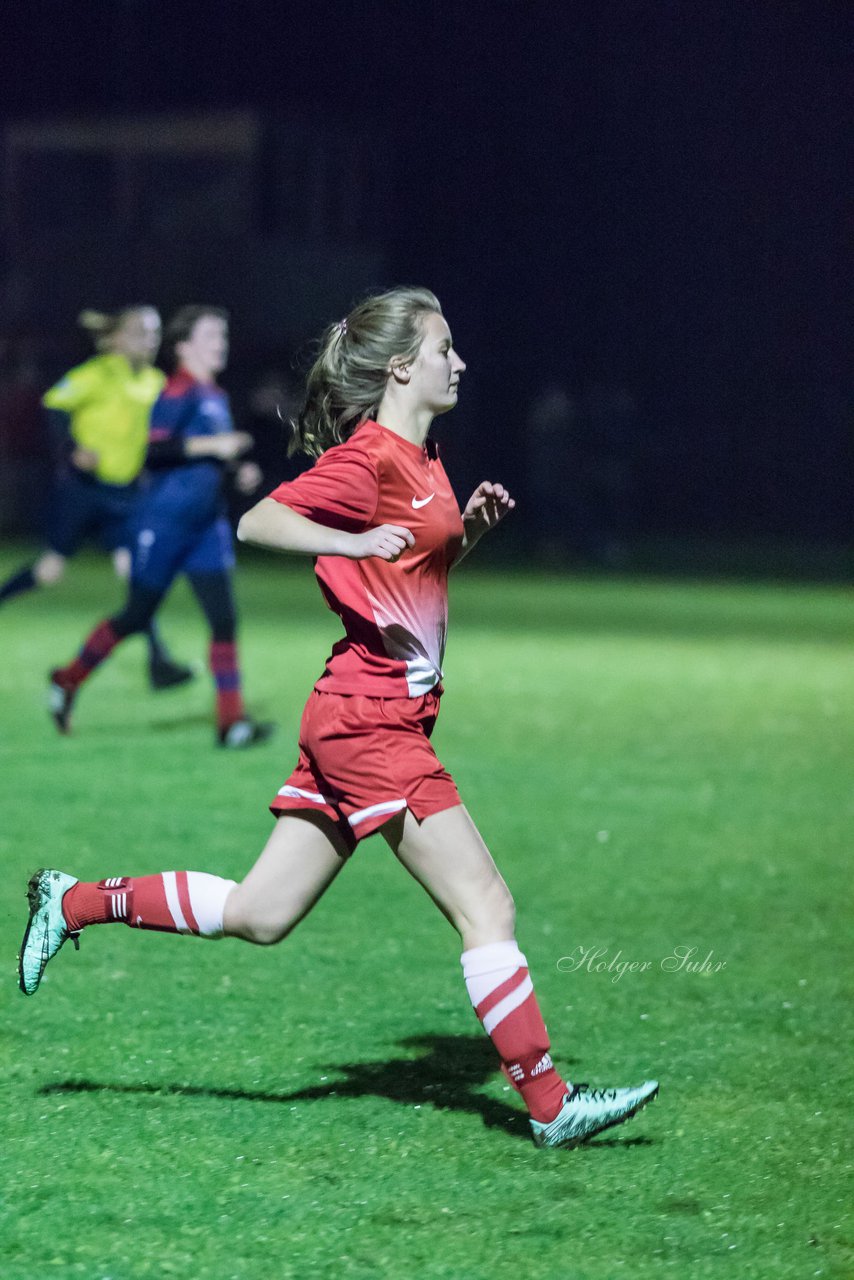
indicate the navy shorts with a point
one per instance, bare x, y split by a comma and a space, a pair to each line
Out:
83, 507
162, 549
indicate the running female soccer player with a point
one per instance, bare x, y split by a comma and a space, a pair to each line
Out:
100, 410
380, 516
181, 526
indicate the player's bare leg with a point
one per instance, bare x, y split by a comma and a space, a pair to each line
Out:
446, 854
300, 860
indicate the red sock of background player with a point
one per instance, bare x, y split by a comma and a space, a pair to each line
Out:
502, 993
99, 644
226, 674
171, 902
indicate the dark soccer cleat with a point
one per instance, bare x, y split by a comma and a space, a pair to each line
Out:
60, 702
586, 1112
245, 733
163, 673
46, 929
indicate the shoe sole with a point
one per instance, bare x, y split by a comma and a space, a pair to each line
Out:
34, 897
571, 1143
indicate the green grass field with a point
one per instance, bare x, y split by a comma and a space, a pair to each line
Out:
655, 766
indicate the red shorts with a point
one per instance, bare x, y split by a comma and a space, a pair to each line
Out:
363, 759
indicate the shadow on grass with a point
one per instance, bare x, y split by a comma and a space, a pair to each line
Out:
196, 719
126, 728
203, 719
448, 1074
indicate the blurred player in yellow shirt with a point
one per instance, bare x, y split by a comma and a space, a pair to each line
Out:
101, 411
109, 398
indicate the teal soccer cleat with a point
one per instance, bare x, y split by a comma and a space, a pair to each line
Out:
46, 928
586, 1112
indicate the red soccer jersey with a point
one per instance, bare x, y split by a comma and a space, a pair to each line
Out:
395, 614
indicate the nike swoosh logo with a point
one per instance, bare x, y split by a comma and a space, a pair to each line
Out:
422, 502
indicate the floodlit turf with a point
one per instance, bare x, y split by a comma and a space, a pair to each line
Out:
656, 766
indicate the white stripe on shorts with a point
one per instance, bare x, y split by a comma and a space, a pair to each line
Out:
387, 806
295, 793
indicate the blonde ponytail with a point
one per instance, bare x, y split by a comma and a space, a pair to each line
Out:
101, 325
347, 380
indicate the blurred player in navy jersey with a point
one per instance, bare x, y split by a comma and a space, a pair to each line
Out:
100, 415
181, 525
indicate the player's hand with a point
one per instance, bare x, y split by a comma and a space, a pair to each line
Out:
247, 477
233, 443
386, 542
486, 507
84, 459
226, 446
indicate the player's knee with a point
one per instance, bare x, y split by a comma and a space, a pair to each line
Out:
137, 613
122, 563
502, 911
267, 932
49, 569
491, 914
258, 921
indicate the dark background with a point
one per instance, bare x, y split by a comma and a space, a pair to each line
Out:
634, 215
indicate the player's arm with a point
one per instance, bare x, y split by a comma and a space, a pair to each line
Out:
327, 511
244, 474
171, 450
73, 390
486, 508
61, 401
274, 525
177, 434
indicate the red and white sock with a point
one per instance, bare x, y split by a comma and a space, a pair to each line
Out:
97, 646
502, 993
171, 902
